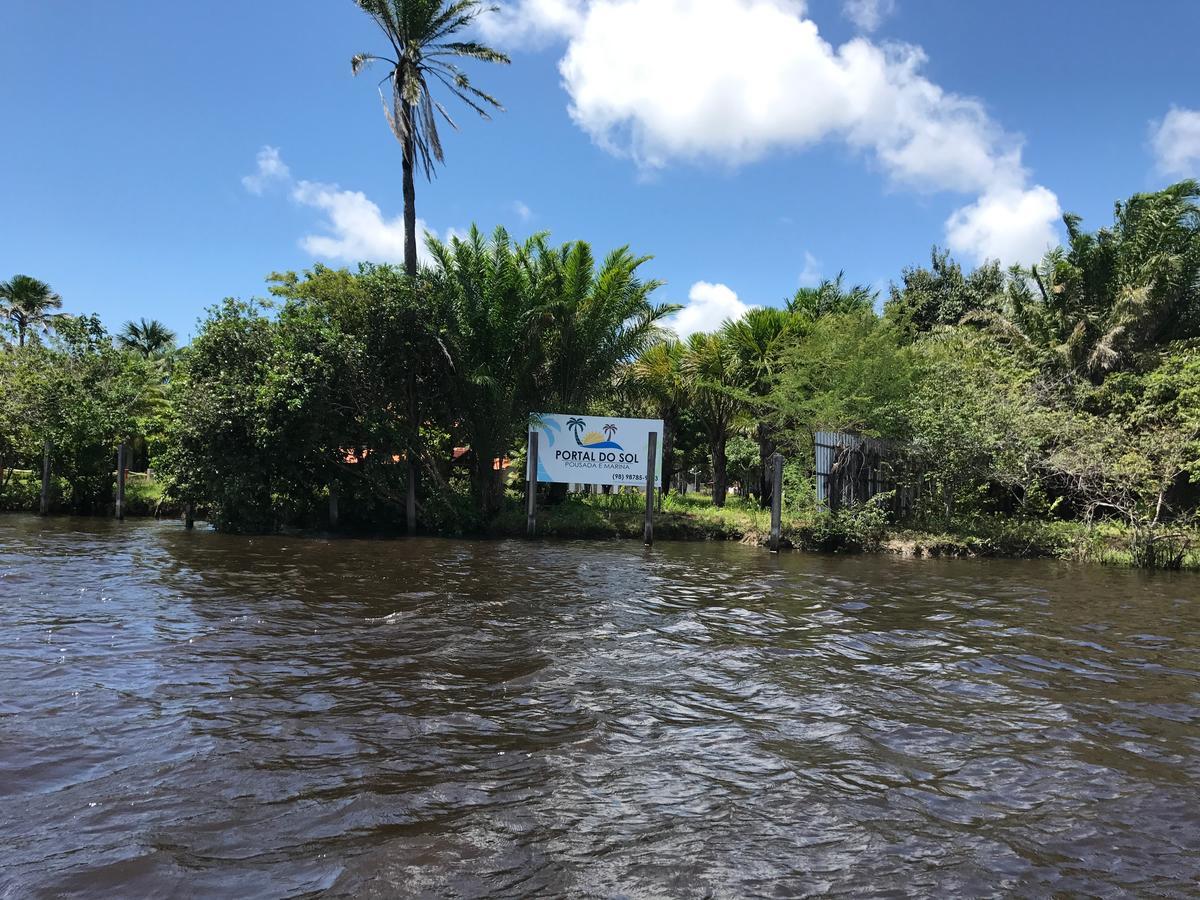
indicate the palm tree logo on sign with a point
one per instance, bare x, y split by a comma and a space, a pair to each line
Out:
594, 440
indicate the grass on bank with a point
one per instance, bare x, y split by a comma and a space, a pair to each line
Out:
23, 491
863, 529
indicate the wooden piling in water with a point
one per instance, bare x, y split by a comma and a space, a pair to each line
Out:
776, 502
122, 464
531, 483
189, 516
44, 506
651, 454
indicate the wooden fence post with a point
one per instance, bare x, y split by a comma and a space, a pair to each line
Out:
776, 501
531, 483
44, 507
122, 452
651, 454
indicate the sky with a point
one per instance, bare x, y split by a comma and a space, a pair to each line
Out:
158, 157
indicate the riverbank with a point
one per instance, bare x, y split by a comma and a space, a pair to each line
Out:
864, 530
692, 517
143, 497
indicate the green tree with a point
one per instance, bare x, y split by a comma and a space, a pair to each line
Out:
831, 297
224, 451
978, 419
656, 378
848, 372
710, 370
148, 337
942, 294
758, 339
29, 304
602, 318
489, 318
1106, 298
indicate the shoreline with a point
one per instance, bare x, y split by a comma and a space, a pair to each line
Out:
580, 520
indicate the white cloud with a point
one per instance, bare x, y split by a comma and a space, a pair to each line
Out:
730, 81
524, 213
810, 275
868, 14
271, 169
1176, 142
1013, 225
708, 306
354, 228
532, 23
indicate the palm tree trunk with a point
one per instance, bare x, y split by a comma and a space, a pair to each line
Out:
720, 478
410, 196
410, 268
668, 451
766, 449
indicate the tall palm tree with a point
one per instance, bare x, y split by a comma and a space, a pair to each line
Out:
148, 337
757, 339
710, 371
657, 376
28, 303
421, 34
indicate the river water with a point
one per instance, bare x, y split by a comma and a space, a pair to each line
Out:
189, 714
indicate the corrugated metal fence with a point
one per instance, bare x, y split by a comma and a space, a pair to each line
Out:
852, 469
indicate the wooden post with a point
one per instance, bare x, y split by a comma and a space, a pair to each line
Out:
44, 508
651, 454
333, 505
776, 501
189, 516
122, 451
531, 483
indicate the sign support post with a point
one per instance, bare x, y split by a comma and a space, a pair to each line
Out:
776, 501
531, 483
651, 458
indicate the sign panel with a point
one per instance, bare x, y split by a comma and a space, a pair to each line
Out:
595, 449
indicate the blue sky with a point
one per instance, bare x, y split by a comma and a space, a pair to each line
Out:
748, 145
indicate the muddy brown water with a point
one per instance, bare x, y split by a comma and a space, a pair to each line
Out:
188, 714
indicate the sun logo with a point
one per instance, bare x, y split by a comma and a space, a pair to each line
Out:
594, 439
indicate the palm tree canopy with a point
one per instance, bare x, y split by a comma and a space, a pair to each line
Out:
710, 369
1110, 295
604, 318
422, 49
151, 338
28, 303
831, 297
756, 338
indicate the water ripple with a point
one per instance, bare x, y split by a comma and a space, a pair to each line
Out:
192, 714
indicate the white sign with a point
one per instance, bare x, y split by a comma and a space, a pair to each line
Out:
595, 449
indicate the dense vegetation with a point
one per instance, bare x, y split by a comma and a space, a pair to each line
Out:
1066, 392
